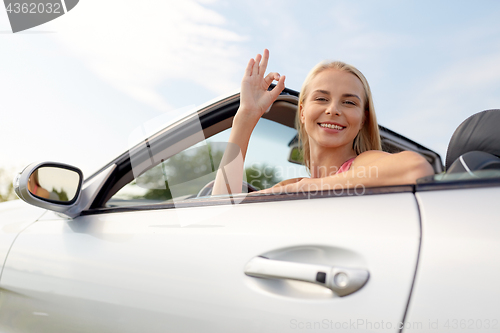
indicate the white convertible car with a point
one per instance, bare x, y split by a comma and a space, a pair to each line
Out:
141, 246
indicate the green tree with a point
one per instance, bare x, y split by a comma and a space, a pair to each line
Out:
262, 176
188, 171
6, 186
63, 196
184, 173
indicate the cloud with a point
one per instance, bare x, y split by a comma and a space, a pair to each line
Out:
469, 76
348, 31
179, 40
444, 78
448, 97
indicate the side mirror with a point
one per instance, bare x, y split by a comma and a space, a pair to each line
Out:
295, 155
54, 186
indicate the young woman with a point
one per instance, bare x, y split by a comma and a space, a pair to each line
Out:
337, 127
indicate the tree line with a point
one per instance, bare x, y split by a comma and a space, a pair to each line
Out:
6, 186
187, 172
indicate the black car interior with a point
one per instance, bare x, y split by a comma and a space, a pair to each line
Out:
475, 145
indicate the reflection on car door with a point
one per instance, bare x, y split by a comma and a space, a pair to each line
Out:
182, 270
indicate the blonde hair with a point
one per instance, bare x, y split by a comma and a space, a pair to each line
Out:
368, 137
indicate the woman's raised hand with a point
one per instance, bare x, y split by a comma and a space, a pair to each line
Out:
255, 99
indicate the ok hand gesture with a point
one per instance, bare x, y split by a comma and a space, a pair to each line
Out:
255, 99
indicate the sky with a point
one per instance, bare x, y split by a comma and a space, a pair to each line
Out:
73, 90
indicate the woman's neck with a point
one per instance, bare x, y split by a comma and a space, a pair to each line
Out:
327, 161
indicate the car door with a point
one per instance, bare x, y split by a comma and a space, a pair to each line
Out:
15, 215
456, 287
150, 270
192, 264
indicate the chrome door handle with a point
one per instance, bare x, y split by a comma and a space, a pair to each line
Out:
343, 281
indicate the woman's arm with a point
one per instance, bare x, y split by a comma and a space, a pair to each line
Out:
371, 168
255, 99
288, 181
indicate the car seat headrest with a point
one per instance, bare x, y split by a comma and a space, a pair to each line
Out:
479, 132
474, 161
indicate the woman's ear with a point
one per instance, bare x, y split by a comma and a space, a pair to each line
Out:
301, 110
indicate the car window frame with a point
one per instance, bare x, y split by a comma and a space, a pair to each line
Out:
209, 116
250, 199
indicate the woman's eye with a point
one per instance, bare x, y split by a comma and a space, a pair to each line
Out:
350, 103
321, 99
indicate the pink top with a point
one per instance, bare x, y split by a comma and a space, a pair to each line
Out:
347, 164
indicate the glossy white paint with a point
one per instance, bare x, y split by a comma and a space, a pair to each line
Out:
15, 215
151, 271
457, 283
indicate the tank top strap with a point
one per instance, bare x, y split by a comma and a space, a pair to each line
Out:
344, 167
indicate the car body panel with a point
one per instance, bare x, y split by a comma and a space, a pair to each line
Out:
456, 286
14, 217
182, 269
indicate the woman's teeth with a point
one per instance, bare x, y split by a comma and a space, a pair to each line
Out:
337, 127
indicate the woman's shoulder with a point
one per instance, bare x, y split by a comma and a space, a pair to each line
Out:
369, 156
41, 192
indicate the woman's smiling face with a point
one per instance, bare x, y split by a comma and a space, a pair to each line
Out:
333, 110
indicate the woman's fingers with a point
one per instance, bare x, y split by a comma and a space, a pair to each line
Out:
258, 65
279, 88
248, 70
263, 64
271, 77
255, 70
